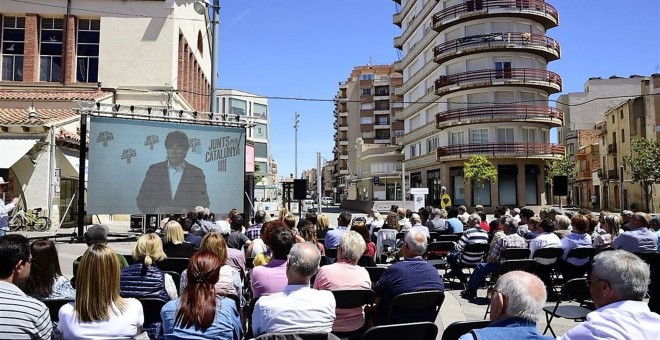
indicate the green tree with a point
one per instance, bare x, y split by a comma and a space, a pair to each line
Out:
560, 167
642, 165
479, 170
257, 178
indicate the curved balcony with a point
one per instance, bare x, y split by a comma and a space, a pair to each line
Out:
500, 150
529, 77
539, 44
537, 10
550, 116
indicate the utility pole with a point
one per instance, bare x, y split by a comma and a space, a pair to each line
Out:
296, 124
319, 197
215, 22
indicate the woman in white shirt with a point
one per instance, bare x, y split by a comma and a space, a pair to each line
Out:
99, 312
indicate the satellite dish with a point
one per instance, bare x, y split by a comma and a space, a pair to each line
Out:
200, 7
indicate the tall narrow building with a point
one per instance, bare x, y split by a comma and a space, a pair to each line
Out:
475, 82
365, 106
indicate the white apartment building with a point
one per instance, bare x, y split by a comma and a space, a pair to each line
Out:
476, 82
254, 108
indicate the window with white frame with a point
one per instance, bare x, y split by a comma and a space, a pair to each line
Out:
367, 106
505, 135
479, 136
50, 49
366, 120
457, 137
366, 92
415, 149
432, 144
88, 50
367, 76
502, 69
13, 44
529, 136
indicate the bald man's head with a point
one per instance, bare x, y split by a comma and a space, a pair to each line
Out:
525, 296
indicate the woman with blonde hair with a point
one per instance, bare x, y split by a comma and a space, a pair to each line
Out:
174, 243
322, 225
229, 281
611, 226
282, 213
143, 278
99, 310
202, 313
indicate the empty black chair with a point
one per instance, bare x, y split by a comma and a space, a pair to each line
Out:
575, 290
448, 237
347, 299
410, 303
54, 306
173, 264
152, 320
439, 249
415, 330
457, 329
514, 254
366, 261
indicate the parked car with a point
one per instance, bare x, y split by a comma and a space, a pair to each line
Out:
327, 201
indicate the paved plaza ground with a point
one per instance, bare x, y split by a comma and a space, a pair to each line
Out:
454, 308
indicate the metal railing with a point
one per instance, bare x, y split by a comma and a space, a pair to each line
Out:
500, 149
490, 75
487, 5
499, 112
495, 40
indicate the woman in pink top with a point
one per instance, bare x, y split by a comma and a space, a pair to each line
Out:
346, 274
362, 229
271, 278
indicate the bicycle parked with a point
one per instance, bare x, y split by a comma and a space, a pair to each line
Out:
22, 220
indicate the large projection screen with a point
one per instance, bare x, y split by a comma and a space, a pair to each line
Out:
141, 166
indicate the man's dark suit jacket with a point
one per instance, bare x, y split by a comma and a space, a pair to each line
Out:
155, 195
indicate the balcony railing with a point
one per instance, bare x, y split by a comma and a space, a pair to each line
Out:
534, 43
508, 113
611, 148
501, 150
612, 174
538, 10
531, 77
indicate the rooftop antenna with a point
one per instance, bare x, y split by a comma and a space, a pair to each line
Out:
369, 63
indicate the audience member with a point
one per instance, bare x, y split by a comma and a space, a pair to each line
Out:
370, 249
254, 231
626, 216
454, 224
391, 222
229, 281
576, 239
511, 240
308, 233
515, 215
377, 221
534, 228
98, 234
174, 243
235, 257
21, 316
524, 215
143, 278
271, 277
437, 223
459, 257
332, 237
346, 274
638, 238
202, 312
258, 245
404, 221
188, 235
416, 221
654, 224
413, 274
298, 308
99, 311
483, 220
618, 283
5, 209
322, 226
547, 239
236, 238
290, 221
46, 280
463, 215
562, 226
518, 298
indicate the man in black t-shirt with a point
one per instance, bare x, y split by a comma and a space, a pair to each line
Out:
236, 238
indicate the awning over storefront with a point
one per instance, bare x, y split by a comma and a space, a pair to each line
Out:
75, 162
11, 150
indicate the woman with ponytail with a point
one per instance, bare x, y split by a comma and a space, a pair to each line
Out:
143, 279
200, 313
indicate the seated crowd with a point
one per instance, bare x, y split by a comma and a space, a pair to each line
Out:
280, 275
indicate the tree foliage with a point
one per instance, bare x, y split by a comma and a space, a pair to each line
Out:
643, 165
257, 178
479, 170
560, 167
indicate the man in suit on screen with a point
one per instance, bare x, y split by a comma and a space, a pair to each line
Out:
173, 186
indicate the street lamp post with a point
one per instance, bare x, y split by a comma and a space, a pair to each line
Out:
296, 124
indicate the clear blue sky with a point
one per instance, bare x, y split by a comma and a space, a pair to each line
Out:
302, 49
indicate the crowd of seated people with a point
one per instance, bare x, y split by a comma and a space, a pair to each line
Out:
290, 289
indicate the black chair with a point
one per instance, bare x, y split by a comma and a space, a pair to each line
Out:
433, 235
448, 237
176, 277
650, 258
400, 236
173, 264
152, 320
416, 301
54, 306
249, 263
570, 271
415, 330
477, 248
366, 261
129, 259
575, 290
297, 336
514, 254
375, 273
502, 268
548, 272
459, 328
331, 253
347, 299
324, 261
439, 249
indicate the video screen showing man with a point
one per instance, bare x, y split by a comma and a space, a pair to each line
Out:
173, 186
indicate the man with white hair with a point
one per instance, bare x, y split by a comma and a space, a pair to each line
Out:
413, 274
515, 214
639, 238
618, 284
298, 308
518, 298
437, 223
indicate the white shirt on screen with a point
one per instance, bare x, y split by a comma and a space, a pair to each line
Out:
175, 178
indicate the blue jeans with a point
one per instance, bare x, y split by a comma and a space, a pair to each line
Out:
479, 274
456, 266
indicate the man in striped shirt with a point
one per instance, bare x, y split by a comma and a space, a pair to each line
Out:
458, 257
21, 317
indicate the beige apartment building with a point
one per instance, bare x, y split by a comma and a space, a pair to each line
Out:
56, 52
475, 81
365, 107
